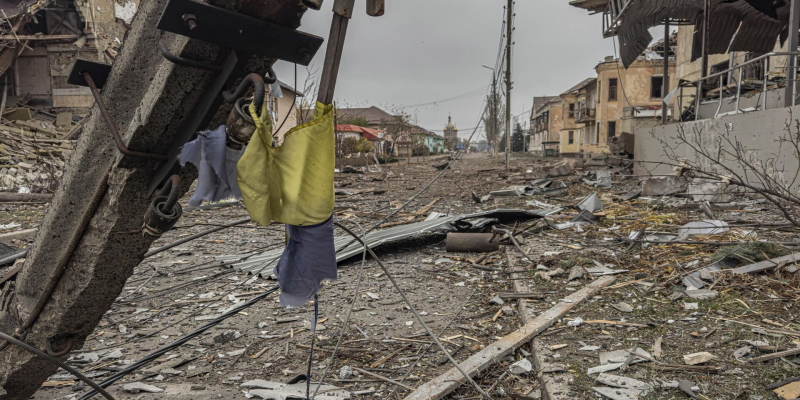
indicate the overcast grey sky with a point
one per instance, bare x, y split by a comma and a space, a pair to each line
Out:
422, 51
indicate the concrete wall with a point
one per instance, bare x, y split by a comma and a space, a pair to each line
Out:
708, 109
757, 131
556, 121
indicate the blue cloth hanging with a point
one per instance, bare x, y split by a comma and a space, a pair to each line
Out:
308, 259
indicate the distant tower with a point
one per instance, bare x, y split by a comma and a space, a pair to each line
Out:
450, 131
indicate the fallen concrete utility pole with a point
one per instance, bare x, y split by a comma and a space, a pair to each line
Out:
452, 379
91, 237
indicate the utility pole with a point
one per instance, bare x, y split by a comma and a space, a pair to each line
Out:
509, 29
665, 76
493, 117
791, 73
492, 134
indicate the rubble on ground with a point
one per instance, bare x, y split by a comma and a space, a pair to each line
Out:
698, 306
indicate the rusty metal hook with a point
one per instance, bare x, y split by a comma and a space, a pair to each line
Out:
48, 346
259, 88
170, 190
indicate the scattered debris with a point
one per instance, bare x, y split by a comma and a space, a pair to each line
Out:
136, 387
698, 358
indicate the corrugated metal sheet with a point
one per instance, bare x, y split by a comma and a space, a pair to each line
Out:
263, 264
735, 26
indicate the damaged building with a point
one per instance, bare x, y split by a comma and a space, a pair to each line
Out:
42, 40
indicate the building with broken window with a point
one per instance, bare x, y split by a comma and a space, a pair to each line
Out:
41, 41
545, 125
573, 120
733, 89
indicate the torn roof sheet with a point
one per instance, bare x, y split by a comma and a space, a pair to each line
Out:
736, 26
262, 264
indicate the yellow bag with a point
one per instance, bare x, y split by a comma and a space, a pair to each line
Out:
293, 183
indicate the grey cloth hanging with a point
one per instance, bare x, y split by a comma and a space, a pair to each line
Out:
216, 166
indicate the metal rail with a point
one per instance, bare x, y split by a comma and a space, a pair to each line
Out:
791, 63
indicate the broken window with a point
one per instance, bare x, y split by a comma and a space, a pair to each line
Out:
753, 70
719, 67
597, 138
656, 82
571, 137
612, 89
612, 129
571, 110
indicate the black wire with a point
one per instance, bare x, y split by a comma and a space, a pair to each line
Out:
154, 355
311, 351
294, 101
57, 362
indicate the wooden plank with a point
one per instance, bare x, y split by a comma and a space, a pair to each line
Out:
773, 356
452, 379
554, 385
766, 264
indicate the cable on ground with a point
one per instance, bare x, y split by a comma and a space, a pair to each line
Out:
48, 358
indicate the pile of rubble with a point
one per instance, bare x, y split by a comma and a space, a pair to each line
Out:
33, 152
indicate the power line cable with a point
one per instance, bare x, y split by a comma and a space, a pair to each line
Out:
53, 360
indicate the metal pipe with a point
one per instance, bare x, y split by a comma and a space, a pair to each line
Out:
764, 85
187, 62
665, 76
794, 79
697, 100
719, 106
680, 102
739, 89
114, 131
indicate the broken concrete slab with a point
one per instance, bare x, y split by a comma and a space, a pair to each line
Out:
663, 186
710, 191
623, 382
604, 368
618, 393
136, 387
269, 390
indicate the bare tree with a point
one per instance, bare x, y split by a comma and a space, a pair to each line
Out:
305, 112
723, 156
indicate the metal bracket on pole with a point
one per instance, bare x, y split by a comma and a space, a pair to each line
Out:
238, 31
208, 103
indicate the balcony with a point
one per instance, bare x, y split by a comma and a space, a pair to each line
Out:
584, 115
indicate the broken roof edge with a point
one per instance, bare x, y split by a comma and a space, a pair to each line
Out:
586, 82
